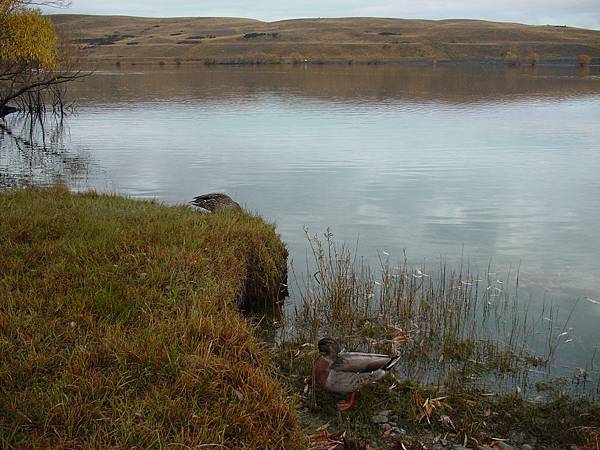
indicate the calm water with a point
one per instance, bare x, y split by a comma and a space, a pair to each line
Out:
484, 163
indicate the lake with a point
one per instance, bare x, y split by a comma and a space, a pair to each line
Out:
445, 162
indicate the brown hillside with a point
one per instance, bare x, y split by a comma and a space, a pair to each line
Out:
135, 39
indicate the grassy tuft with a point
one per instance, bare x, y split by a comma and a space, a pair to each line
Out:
120, 328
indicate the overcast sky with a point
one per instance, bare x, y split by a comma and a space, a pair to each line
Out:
581, 13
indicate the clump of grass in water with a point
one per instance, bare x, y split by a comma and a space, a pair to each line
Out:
452, 327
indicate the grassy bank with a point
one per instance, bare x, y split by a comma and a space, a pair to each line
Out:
129, 40
119, 326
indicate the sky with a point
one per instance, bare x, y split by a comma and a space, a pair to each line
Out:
579, 13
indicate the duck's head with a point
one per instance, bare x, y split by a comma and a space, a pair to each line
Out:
329, 347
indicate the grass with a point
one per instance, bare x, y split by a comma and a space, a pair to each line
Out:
467, 341
476, 416
120, 326
342, 40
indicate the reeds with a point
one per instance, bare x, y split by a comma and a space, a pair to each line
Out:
452, 327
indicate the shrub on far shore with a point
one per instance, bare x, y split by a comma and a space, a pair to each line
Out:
584, 60
533, 59
512, 58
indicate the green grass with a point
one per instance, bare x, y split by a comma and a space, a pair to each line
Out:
120, 327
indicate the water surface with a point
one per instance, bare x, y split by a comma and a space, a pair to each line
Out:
500, 164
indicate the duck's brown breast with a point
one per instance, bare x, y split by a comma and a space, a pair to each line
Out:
322, 371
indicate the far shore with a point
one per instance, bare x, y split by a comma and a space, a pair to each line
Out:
136, 40
493, 63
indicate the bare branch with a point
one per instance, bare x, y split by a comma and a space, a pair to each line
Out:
50, 3
42, 85
25, 81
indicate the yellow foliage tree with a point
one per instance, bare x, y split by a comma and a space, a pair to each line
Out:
27, 37
30, 58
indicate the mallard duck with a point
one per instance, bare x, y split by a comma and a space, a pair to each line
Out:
343, 372
215, 202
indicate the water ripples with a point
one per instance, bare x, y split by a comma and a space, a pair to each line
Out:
493, 164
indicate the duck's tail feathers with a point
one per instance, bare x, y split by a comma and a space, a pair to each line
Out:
392, 363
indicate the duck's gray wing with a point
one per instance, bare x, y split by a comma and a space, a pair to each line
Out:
360, 362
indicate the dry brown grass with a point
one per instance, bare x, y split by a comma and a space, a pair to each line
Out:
147, 40
119, 326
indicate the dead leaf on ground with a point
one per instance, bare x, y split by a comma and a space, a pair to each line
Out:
428, 406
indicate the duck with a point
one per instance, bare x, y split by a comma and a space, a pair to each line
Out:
215, 202
347, 372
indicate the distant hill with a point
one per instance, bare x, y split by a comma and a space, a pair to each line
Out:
230, 40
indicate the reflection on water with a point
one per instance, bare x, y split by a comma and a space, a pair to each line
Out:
483, 163
355, 86
34, 154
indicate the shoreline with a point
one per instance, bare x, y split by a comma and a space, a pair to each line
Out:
326, 41
494, 63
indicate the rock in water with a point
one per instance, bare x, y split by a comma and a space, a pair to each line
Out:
215, 202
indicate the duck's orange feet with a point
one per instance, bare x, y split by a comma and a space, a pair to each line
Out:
348, 403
